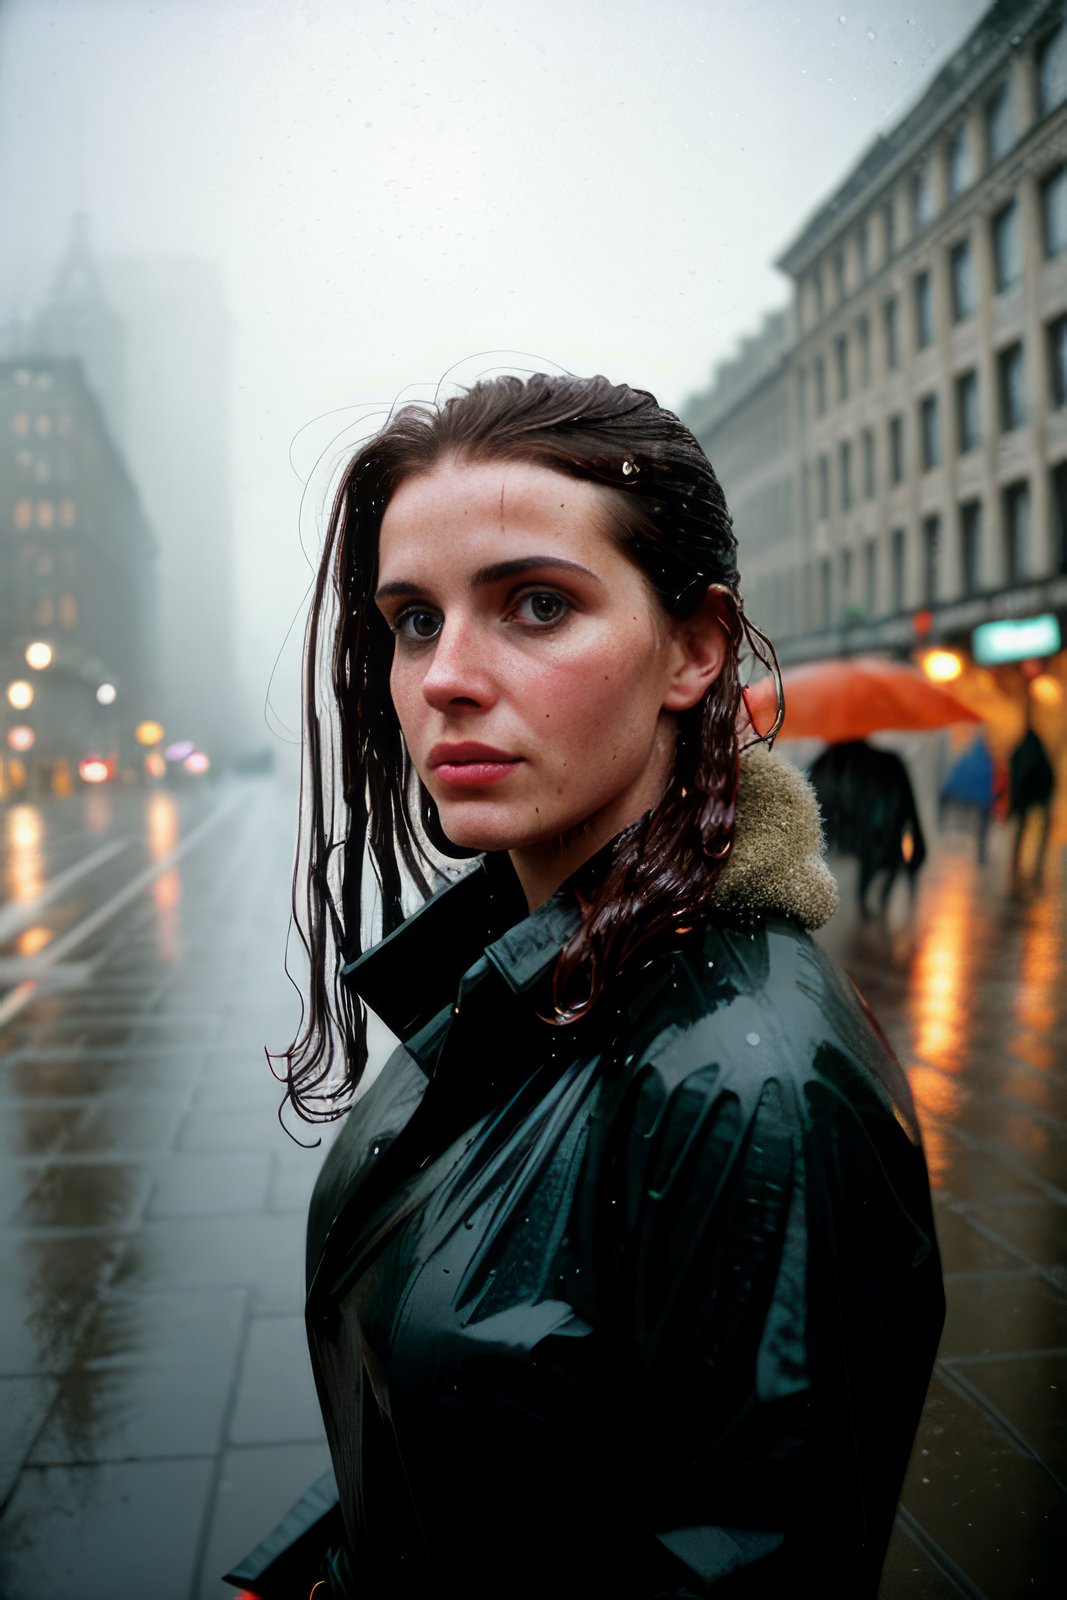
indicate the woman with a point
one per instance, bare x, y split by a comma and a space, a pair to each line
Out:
621, 1275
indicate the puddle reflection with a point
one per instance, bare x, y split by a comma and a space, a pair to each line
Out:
23, 864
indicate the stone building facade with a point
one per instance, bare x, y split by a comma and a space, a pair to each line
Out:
914, 396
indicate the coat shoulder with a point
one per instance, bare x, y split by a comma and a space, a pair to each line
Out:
739, 1007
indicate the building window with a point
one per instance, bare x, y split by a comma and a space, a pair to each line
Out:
971, 545
846, 577
922, 198
889, 320
863, 344
68, 610
819, 372
999, 124
841, 365
1011, 374
824, 486
930, 432
889, 228
958, 160
20, 424
1054, 211
1051, 58
1016, 532
868, 463
924, 310
961, 271
1057, 361
863, 250
46, 514
825, 591
816, 292
896, 449
23, 514
968, 429
931, 558
870, 576
839, 275
1059, 514
845, 458
898, 568
1007, 248
68, 513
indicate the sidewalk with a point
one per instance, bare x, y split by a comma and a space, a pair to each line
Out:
973, 995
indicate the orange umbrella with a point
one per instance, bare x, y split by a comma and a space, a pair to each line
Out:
850, 698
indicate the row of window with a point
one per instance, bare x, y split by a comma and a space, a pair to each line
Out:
857, 577
851, 357
1012, 414
1001, 126
44, 514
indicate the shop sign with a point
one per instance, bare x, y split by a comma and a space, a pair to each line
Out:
1017, 639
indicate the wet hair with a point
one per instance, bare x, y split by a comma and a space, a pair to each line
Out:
666, 509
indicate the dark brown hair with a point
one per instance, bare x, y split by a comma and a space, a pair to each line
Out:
667, 510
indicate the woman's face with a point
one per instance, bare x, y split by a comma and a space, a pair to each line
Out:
535, 675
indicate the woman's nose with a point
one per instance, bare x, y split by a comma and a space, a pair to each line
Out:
459, 671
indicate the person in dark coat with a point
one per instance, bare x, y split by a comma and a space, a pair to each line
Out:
1031, 784
870, 811
621, 1275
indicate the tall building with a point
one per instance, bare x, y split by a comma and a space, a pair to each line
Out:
745, 424
77, 574
927, 375
153, 337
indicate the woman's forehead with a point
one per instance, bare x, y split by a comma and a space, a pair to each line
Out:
459, 505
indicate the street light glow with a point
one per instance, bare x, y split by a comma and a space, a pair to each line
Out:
21, 737
106, 694
197, 762
39, 655
942, 666
93, 770
154, 764
20, 694
149, 732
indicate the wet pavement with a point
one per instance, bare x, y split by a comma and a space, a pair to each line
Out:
158, 1411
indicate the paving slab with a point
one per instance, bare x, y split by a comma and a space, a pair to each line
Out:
276, 1400
151, 1376
113, 1531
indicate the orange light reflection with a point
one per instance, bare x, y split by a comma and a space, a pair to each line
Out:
23, 833
938, 1099
31, 940
162, 824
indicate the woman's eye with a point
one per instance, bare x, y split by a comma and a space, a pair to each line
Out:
542, 608
417, 625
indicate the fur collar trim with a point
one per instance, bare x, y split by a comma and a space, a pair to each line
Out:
776, 865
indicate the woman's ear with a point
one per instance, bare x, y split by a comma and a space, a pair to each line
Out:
700, 646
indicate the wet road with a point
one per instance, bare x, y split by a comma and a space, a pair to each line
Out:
156, 1401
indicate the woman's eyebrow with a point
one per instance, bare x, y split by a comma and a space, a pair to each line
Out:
492, 574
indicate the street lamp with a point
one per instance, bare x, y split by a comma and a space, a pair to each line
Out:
39, 655
106, 694
149, 732
20, 694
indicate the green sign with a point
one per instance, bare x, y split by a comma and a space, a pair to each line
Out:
1015, 640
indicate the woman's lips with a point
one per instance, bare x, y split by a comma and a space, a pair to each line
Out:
470, 766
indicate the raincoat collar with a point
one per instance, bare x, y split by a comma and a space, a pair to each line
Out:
480, 924
463, 931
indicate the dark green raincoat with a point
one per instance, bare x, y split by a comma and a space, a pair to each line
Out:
641, 1306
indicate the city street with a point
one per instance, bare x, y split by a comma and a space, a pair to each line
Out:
157, 1400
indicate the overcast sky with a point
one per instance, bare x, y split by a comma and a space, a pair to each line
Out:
393, 185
